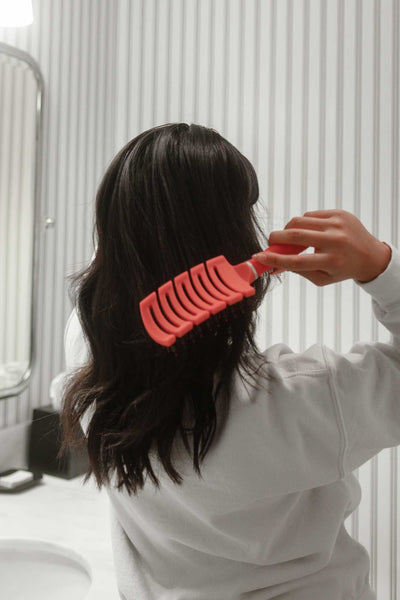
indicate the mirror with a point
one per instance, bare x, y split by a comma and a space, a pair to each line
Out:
21, 94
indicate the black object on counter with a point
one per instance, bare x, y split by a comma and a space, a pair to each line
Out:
45, 443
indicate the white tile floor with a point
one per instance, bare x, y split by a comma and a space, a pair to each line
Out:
68, 513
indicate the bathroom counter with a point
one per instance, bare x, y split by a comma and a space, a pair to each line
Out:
68, 513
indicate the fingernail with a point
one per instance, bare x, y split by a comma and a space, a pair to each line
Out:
257, 256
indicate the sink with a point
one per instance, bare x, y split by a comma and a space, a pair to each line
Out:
42, 570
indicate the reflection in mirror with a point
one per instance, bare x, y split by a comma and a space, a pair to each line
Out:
21, 90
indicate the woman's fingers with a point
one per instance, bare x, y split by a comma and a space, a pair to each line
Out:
292, 262
344, 248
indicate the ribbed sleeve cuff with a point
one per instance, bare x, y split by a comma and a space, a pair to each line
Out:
386, 287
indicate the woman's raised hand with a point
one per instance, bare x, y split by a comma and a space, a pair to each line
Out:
344, 248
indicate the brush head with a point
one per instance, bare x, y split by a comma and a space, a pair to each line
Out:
190, 298
206, 289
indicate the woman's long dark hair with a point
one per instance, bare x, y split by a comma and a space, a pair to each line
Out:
173, 197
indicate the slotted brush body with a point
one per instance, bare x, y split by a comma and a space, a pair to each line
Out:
181, 304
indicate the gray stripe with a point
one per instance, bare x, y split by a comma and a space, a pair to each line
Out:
253, 269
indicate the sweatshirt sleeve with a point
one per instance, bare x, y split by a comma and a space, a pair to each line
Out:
77, 353
365, 382
75, 346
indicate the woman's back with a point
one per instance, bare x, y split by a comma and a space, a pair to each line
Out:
267, 518
264, 515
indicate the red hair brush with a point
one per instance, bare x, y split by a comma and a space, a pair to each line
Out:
186, 301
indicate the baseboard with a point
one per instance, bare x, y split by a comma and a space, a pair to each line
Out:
14, 443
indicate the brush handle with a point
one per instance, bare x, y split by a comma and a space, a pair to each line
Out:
278, 249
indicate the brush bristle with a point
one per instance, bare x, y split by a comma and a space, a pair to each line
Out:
212, 324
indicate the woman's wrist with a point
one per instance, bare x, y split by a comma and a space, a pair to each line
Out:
383, 257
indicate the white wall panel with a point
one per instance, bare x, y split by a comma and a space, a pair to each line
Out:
309, 92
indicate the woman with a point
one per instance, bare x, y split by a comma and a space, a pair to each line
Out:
224, 486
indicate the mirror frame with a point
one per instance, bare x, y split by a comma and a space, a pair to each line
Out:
27, 58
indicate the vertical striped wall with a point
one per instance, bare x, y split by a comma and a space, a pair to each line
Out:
309, 92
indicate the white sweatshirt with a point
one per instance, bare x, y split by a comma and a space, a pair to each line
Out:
267, 519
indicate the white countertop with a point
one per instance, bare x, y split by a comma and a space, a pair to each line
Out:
69, 513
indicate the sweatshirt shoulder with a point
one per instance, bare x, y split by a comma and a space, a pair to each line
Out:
284, 362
